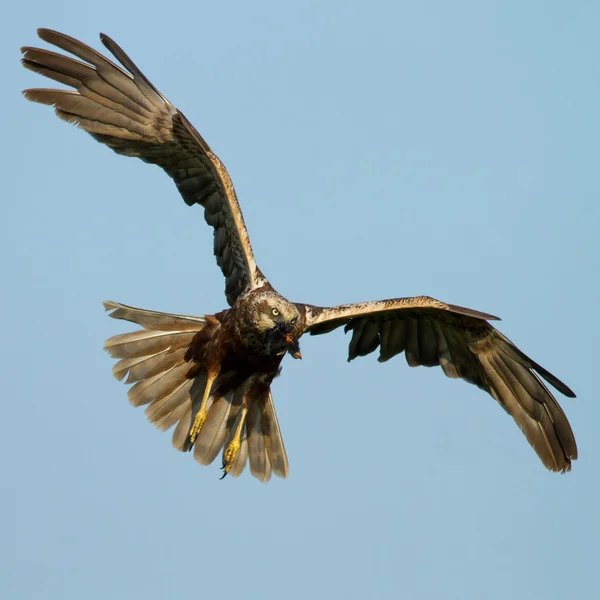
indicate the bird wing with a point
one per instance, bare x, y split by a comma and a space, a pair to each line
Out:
123, 110
461, 341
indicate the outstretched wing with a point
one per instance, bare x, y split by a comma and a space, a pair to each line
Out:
461, 341
123, 110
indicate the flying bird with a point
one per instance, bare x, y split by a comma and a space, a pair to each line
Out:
210, 376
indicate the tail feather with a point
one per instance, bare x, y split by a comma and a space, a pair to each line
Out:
213, 434
150, 319
154, 361
260, 465
262, 443
182, 429
143, 367
273, 439
196, 396
144, 342
173, 417
236, 415
239, 464
160, 411
157, 387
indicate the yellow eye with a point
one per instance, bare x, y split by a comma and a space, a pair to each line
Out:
274, 312
293, 321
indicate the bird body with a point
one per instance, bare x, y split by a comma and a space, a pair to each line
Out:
210, 376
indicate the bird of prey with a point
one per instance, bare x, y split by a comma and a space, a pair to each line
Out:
210, 376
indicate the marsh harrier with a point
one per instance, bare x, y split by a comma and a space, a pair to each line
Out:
211, 376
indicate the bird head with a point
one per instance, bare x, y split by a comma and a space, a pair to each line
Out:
279, 322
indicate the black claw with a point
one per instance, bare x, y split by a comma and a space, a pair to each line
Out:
224, 474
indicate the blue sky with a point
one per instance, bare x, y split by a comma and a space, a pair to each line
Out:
380, 150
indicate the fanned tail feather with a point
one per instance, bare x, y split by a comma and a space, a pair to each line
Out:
154, 361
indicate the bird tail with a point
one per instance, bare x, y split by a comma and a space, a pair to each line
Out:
155, 360
261, 443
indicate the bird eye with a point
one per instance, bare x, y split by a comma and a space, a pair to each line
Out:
275, 312
293, 320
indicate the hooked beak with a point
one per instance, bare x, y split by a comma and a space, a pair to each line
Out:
294, 349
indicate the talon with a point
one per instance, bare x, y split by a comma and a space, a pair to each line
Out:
230, 455
197, 425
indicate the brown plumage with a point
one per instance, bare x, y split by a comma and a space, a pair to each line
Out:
211, 376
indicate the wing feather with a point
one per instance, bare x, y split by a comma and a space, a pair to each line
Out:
120, 108
428, 350
396, 340
466, 346
411, 352
446, 361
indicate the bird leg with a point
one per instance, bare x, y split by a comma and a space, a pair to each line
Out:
233, 448
200, 417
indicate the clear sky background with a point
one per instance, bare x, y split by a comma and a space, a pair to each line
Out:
379, 149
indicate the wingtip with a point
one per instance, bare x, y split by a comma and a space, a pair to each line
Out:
470, 312
566, 468
487, 316
44, 33
110, 305
109, 43
30, 94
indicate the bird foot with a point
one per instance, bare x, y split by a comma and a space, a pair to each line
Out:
197, 425
230, 454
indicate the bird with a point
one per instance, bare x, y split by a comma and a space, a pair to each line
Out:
210, 376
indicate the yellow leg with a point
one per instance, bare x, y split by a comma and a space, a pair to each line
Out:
233, 448
201, 414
